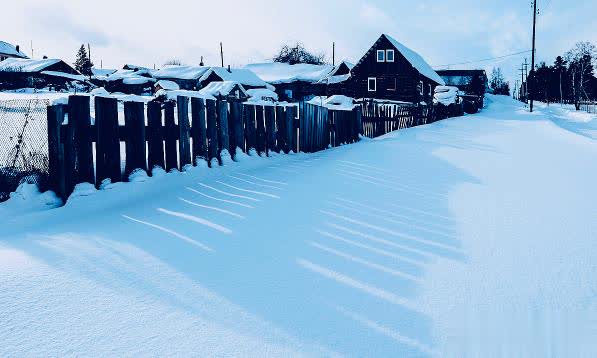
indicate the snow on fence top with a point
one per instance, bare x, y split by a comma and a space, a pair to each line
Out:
416, 61
336, 102
26, 65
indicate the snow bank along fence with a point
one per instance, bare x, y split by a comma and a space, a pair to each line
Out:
169, 135
23, 144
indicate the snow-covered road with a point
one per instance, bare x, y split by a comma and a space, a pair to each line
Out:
473, 236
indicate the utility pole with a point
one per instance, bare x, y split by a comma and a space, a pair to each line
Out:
333, 54
222, 54
89, 51
533, 55
521, 96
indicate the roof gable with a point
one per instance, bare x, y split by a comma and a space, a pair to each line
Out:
10, 50
413, 58
27, 65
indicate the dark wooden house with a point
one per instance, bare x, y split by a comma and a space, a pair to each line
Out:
391, 71
18, 73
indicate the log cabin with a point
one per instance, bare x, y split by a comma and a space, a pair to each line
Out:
391, 71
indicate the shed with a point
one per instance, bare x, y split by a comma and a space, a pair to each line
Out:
26, 73
230, 90
187, 77
165, 85
247, 78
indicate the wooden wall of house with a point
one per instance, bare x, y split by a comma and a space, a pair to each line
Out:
398, 80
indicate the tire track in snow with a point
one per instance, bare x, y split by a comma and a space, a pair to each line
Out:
218, 199
197, 219
211, 208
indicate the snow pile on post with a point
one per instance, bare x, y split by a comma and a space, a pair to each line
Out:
445, 95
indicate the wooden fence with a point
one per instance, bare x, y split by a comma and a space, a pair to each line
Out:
174, 134
379, 118
588, 106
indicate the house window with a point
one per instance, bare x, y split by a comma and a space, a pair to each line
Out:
390, 55
392, 86
430, 91
372, 84
288, 93
381, 56
421, 87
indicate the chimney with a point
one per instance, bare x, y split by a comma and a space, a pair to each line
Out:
45, 57
201, 63
18, 48
229, 69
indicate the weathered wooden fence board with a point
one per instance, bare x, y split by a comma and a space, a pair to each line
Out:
155, 138
107, 148
184, 141
134, 122
212, 130
260, 130
170, 137
198, 129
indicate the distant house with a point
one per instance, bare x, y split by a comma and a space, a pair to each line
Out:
391, 71
26, 73
165, 85
230, 90
247, 78
187, 77
302, 81
473, 82
130, 80
9, 51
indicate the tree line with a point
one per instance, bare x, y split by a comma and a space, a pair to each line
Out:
570, 79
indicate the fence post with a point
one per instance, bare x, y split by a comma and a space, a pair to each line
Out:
184, 142
249, 120
212, 133
236, 119
56, 150
107, 148
358, 122
79, 152
260, 136
223, 139
270, 129
155, 138
134, 121
170, 138
198, 129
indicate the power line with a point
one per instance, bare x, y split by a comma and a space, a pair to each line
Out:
485, 59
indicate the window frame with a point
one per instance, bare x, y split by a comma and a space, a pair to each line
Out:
421, 88
383, 53
393, 55
430, 90
374, 84
395, 85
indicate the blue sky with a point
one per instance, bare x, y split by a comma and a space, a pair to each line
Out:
152, 32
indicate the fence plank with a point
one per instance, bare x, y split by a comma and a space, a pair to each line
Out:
223, 133
57, 183
281, 132
270, 129
134, 122
81, 153
170, 137
198, 129
155, 137
107, 148
236, 125
212, 130
260, 133
249, 120
184, 142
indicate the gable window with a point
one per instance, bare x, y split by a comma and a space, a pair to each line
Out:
421, 87
372, 84
381, 56
390, 55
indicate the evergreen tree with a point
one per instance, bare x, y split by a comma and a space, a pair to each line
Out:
83, 63
497, 83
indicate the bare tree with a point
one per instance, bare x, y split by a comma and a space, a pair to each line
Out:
581, 59
298, 54
173, 62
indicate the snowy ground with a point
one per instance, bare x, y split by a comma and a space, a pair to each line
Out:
473, 236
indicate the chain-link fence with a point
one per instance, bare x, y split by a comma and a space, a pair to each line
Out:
23, 144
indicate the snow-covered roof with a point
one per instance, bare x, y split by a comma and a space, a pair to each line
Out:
129, 77
167, 85
278, 72
70, 76
129, 66
180, 72
174, 94
415, 60
222, 88
243, 76
102, 71
262, 94
26, 65
10, 50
